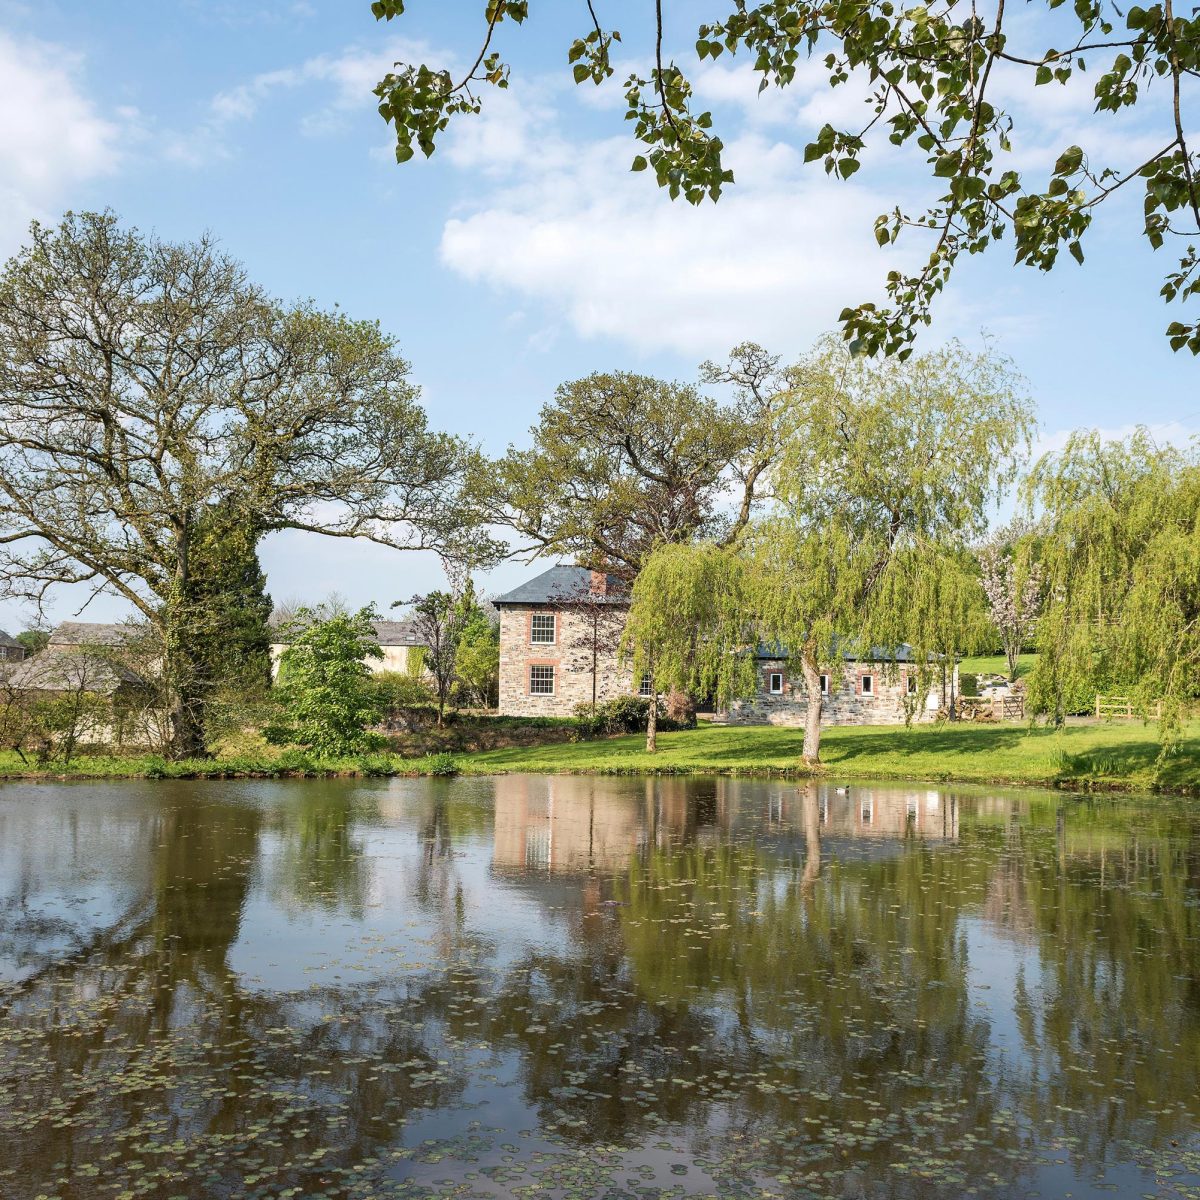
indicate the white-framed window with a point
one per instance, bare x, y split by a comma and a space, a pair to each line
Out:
541, 680
775, 683
868, 685
824, 685
542, 629
646, 684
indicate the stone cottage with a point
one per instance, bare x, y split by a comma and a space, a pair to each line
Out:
878, 688
11, 651
560, 637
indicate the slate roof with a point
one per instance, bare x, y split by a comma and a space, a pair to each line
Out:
398, 633
561, 584
877, 654
10, 643
92, 633
61, 669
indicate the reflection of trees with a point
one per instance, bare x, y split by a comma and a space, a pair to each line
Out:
142, 1063
791, 1007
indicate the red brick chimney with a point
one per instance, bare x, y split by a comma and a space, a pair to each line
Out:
599, 586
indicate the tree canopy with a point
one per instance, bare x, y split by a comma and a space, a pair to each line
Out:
945, 79
621, 463
149, 390
890, 471
1122, 575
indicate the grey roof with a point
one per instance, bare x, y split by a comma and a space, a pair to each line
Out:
561, 585
92, 633
398, 633
902, 653
61, 669
10, 642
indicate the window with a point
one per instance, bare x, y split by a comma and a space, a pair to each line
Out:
775, 683
912, 684
646, 684
868, 685
541, 681
541, 629
824, 685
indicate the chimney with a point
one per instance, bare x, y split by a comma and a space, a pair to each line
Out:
599, 585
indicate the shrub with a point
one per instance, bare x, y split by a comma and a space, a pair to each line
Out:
625, 714
441, 764
398, 690
968, 684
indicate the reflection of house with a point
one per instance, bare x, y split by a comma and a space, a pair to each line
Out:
565, 823
399, 640
560, 647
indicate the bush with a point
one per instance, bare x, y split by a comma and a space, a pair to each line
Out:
441, 764
625, 714
398, 690
968, 684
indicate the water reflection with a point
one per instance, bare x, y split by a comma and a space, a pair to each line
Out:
714, 986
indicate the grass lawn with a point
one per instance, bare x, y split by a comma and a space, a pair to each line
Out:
1111, 755
996, 664
1120, 756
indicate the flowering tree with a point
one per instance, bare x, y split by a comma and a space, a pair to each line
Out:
1012, 582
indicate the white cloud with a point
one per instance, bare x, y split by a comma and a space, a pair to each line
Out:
608, 253
52, 137
1164, 433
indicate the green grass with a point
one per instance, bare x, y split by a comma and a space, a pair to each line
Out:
996, 664
1119, 756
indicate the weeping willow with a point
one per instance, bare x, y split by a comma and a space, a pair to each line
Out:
1122, 568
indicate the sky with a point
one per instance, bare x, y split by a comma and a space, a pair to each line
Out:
525, 253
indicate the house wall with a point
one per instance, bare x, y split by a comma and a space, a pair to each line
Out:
844, 705
570, 656
12, 654
395, 658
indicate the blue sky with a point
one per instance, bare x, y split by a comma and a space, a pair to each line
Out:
525, 253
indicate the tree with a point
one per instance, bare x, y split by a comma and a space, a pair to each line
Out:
622, 462
690, 626
155, 407
477, 651
1122, 567
1012, 582
889, 468
325, 689
436, 617
34, 641
938, 77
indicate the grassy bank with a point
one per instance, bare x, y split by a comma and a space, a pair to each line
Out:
1100, 756
1116, 756
996, 664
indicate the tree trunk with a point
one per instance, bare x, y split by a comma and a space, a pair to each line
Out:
1013, 652
652, 726
816, 704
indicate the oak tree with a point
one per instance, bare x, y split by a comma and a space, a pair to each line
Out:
152, 399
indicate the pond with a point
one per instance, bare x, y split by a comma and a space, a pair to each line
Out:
584, 987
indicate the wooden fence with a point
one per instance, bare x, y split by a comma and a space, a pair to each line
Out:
1121, 707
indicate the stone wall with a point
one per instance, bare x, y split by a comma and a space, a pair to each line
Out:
570, 656
845, 703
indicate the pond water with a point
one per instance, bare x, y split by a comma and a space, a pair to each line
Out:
585, 987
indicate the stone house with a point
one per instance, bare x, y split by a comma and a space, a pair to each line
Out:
11, 651
560, 639
559, 643
873, 689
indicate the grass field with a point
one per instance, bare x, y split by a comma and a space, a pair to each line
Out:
996, 664
1121, 756
1113, 755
